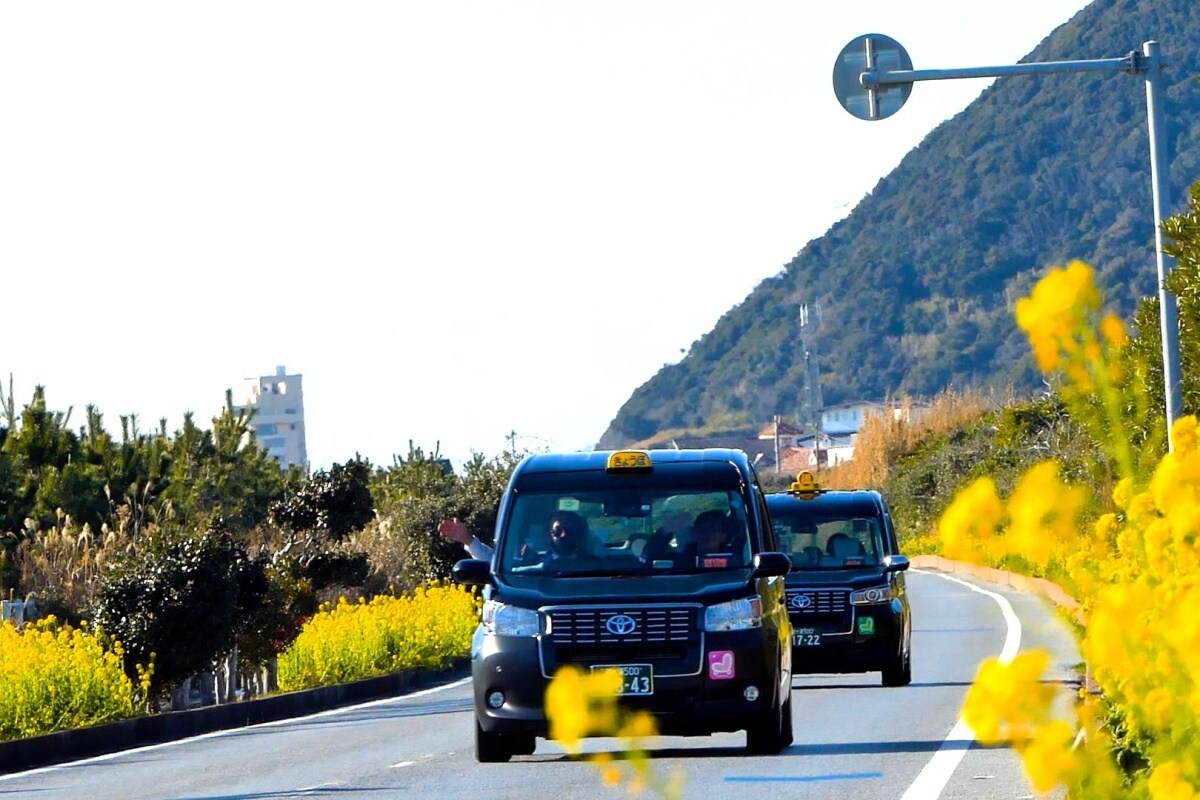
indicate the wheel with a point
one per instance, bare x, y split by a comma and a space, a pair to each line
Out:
491, 747
899, 672
522, 744
765, 736
788, 736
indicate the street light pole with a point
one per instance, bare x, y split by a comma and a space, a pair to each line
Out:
1168, 311
869, 90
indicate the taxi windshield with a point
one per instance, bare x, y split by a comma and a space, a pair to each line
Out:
833, 541
621, 531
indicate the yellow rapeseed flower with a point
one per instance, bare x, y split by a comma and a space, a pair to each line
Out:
1113, 330
1007, 701
1048, 757
969, 524
579, 704
1055, 311
610, 775
1167, 783
1183, 433
1042, 509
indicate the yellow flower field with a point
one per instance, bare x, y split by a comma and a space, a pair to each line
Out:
351, 641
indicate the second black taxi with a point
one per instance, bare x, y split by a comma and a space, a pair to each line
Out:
845, 594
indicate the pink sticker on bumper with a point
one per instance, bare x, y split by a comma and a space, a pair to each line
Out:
720, 665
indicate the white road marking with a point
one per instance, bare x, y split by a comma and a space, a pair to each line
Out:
936, 774
215, 734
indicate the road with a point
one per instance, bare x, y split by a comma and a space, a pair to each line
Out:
854, 738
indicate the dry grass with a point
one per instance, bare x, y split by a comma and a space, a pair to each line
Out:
65, 562
882, 440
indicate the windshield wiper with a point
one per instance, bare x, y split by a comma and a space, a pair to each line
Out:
625, 572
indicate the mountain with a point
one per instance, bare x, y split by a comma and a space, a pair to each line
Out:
916, 286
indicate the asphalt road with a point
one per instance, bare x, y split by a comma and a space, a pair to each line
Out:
854, 738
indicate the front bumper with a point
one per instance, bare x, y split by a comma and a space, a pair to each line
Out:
866, 640
684, 701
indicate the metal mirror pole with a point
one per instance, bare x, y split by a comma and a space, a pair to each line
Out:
868, 89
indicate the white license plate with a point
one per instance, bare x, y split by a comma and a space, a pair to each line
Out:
636, 679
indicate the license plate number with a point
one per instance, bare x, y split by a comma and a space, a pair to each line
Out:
637, 679
806, 637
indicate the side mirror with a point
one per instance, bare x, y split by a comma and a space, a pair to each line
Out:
896, 563
770, 564
472, 572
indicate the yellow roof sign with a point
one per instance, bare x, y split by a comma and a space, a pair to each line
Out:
805, 483
629, 459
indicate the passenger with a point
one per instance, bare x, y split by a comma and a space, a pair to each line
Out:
711, 533
455, 530
710, 537
566, 535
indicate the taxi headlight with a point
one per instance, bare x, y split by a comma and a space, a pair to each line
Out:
502, 619
736, 615
871, 596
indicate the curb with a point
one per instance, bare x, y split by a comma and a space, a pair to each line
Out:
1037, 586
55, 748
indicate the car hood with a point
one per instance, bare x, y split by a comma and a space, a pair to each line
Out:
836, 578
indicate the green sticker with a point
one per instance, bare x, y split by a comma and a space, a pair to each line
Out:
866, 626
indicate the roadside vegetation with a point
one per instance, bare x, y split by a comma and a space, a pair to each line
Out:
153, 558
349, 641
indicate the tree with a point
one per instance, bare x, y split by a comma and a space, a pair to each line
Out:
179, 603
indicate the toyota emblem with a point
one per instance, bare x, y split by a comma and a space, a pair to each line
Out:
800, 602
621, 625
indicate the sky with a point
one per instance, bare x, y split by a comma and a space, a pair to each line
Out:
469, 225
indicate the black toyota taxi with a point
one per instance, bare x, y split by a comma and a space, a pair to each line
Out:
845, 593
596, 565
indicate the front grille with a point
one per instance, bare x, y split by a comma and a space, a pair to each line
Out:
827, 610
635, 626
820, 601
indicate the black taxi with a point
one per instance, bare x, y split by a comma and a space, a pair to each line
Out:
845, 593
599, 562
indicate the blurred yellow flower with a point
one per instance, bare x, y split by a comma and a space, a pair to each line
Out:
1183, 433
579, 704
970, 523
1042, 509
1122, 492
1007, 701
1113, 330
1167, 783
1048, 757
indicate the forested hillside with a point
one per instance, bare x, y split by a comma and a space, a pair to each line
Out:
916, 286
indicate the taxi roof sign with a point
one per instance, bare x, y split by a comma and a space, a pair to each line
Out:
805, 484
629, 459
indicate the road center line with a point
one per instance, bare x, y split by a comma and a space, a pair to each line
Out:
936, 773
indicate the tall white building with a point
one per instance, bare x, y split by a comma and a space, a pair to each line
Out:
278, 404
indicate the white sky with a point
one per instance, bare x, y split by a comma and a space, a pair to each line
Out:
455, 219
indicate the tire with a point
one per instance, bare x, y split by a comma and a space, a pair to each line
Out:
491, 748
899, 672
788, 736
522, 744
765, 736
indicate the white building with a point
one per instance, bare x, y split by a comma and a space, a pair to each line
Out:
849, 417
278, 405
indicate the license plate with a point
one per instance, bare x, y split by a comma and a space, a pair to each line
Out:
635, 678
806, 637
